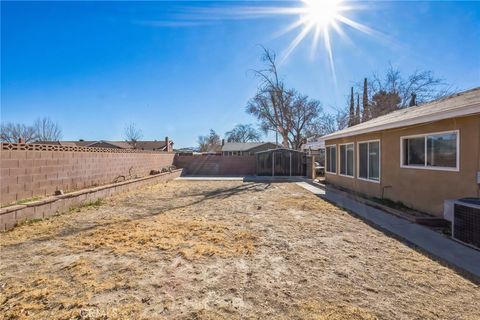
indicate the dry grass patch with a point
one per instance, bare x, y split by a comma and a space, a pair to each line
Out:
192, 237
63, 294
314, 310
305, 201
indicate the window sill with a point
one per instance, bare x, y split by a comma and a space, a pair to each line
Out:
369, 180
431, 168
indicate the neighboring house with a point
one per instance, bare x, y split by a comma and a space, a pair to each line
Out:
419, 156
186, 150
155, 145
111, 144
315, 147
245, 148
79, 143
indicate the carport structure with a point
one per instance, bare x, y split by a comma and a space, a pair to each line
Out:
280, 162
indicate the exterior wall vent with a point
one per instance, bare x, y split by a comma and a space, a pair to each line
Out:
466, 221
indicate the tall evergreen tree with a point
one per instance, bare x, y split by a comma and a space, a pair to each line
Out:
357, 110
351, 117
366, 111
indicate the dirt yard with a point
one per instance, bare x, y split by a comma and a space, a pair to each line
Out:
214, 250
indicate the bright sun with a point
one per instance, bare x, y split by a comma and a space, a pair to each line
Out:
321, 13
319, 18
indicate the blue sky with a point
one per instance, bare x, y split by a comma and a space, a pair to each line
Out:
181, 68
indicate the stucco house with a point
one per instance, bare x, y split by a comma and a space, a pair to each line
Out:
245, 148
419, 156
150, 145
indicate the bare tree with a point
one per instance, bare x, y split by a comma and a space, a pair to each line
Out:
280, 109
210, 142
47, 130
12, 132
270, 104
303, 112
342, 118
423, 83
243, 133
132, 134
392, 91
324, 125
384, 102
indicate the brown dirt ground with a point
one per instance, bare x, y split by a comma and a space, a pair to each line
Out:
214, 250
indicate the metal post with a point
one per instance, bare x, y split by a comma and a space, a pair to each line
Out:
290, 163
273, 163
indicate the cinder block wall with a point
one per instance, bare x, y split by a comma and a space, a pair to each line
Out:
29, 173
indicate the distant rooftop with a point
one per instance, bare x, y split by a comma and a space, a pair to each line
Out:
457, 105
141, 145
242, 146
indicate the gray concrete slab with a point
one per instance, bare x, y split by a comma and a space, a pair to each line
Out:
272, 179
311, 188
267, 179
453, 253
211, 178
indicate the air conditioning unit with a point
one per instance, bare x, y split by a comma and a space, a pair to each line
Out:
466, 221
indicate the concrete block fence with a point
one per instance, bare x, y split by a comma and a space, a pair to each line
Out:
46, 207
28, 171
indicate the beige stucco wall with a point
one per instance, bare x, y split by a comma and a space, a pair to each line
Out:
421, 189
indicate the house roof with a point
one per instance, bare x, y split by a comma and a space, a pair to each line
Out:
145, 145
279, 149
458, 105
242, 146
67, 143
152, 145
116, 144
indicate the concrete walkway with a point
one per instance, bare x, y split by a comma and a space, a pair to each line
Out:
434, 243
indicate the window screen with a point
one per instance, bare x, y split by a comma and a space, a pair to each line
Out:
331, 152
346, 159
369, 160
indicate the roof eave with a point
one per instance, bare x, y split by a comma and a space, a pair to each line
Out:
459, 112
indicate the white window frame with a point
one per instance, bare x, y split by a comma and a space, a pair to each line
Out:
339, 159
327, 156
368, 167
425, 166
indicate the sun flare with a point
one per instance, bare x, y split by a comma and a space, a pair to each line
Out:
320, 19
321, 13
